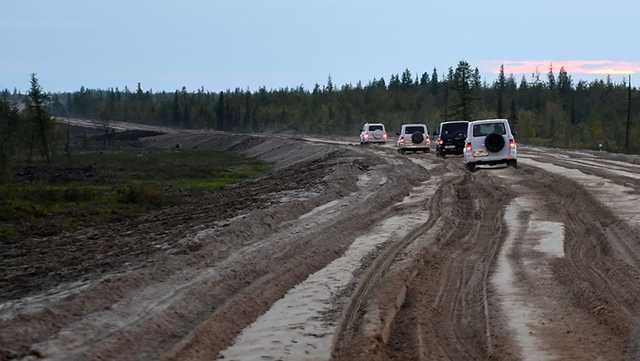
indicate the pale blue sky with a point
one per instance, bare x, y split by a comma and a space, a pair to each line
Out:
247, 43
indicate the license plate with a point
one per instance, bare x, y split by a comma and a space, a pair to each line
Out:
449, 146
480, 153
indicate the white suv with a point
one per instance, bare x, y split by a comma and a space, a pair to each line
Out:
490, 142
373, 133
413, 137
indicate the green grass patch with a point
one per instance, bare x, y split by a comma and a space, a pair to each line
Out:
95, 188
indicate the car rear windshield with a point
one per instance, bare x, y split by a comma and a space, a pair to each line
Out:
373, 128
454, 128
481, 130
414, 129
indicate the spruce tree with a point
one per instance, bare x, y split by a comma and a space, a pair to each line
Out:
476, 80
462, 77
247, 109
407, 79
551, 78
220, 112
41, 120
9, 119
500, 86
175, 110
434, 82
564, 82
523, 83
394, 82
424, 80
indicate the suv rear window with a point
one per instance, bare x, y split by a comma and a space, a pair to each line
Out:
373, 128
481, 130
454, 128
414, 129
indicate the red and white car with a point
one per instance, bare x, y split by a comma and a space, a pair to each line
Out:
373, 133
413, 138
490, 142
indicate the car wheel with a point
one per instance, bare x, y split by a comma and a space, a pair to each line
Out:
513, 163
471, 167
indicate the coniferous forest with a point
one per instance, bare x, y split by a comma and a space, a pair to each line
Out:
547, 109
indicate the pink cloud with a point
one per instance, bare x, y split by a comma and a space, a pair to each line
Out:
589, 67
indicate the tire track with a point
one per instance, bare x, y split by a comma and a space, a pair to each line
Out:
446, 313
352, 314
600, 282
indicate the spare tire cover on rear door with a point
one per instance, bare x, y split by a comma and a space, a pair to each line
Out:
494, 142
417, 138
377, 134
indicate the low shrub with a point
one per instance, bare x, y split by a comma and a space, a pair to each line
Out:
7, 232
142, 194
78, 194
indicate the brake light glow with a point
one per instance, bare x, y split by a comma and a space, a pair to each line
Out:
512, 144
384, 136
469, 147
366, 135
440, 141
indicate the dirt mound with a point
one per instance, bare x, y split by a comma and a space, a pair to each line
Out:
57, 283
282, 152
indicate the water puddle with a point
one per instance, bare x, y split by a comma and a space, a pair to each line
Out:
298, 326
296, 196
550, 237
528, 236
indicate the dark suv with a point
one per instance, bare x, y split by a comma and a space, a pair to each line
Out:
451, 138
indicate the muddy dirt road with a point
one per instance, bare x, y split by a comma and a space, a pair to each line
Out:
345, 252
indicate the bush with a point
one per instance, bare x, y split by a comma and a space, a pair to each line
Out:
144, 194
76, 194
44, 195
7, 232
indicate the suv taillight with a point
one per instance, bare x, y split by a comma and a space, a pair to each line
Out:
468, 147
384, 136
512, 144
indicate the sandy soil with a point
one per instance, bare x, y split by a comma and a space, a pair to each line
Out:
347, 252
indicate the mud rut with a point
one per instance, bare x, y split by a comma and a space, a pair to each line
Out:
449, 311
426, 294
445, 312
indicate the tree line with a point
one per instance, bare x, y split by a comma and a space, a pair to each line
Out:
27, 131
547, 109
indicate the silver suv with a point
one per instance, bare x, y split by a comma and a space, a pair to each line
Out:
413, 137
373, 133
490, 142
